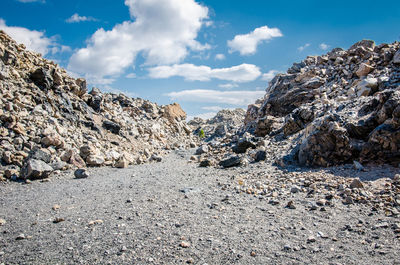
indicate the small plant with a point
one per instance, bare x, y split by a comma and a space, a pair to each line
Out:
202, 134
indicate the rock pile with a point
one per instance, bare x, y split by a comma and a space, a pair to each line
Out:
336, 108
225, 123
48, 120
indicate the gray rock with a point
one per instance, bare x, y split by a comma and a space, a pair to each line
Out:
4, 71
36, 169
231, 162
295, 189
60, 165
396, 57
202, 150
40, 154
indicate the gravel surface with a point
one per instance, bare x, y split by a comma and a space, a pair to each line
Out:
175, 212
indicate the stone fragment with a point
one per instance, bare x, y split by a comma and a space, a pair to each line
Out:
122, 162
58, 220
203, 149
364, 69
396, 57
36, 169
358, 166
356, 184
2, 222
231, 162
81, 173
41, 154
290, 205
184, 244
206, 163
96, 222
111, 126
42, 78
95, 160
260, 156
77, 160
20, 237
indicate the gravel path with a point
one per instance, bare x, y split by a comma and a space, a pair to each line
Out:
174, 212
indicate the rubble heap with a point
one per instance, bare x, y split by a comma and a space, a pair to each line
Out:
225, 123
336, 108
48, 120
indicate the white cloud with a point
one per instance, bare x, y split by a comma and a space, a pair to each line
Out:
33, 40
163, 31
240, 98
247, 44
212, 108
301, 48
239, 73
75, 18
324, 46
228, 86
220, 56
131, 75
270, 75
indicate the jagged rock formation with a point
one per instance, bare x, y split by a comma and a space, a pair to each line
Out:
326, 110
49, 122
225, 122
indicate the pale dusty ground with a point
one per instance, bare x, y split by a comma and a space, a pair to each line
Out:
174, 212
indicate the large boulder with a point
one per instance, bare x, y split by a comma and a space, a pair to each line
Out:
36, 169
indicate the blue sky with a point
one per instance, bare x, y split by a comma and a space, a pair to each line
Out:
205, 55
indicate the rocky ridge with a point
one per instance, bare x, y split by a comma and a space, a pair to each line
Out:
49, 121
326, 110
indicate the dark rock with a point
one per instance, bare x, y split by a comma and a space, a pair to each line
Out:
206, 163
231, 162
260, 156
111, 126
39, 154
42, 78
242, 145
81, 173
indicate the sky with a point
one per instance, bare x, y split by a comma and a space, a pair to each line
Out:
206, 55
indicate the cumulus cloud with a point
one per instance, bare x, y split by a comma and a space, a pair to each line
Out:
220, 56
163, 31
324, 46
239, 98
246, 44
270, 75
239, 73
75, 18
302, 48
33, 40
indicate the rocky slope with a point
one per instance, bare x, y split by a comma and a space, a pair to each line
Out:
337, 108
49, 122
225, 122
